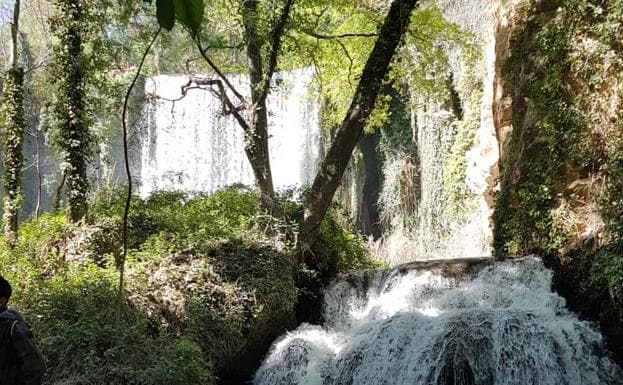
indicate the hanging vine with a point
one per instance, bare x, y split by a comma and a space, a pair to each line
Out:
126, 209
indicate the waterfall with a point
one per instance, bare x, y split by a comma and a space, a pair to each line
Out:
187, 142
499, 325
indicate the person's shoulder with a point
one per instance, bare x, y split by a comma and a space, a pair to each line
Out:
11, 314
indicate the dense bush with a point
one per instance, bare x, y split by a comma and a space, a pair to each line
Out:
223, 214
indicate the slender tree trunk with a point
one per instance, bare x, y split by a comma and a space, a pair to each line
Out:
256, 141
335, 162
39, 176
14, 59
369, 219
14, 123
59, 194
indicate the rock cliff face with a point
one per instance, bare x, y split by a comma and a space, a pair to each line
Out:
557, 111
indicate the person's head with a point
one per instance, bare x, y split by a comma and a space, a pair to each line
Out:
5, 291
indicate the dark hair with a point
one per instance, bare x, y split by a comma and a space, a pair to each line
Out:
5, 288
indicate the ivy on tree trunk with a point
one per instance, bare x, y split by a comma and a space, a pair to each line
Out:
13, 130
256, 137
12, 117
72, 134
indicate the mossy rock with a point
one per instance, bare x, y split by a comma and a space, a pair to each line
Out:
234, 297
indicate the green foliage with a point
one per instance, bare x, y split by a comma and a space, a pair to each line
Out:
173, 216
561, 77
248, 297
205, 286
73, 318
425, 61
399, 156
608, 271
539, 64
396, 132
458, 199
165, 13
612, 200
241, 291
187, 12
39, 242
338, 247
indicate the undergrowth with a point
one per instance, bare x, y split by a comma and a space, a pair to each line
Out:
208, 286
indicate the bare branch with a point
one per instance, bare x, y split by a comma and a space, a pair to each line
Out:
350, 61
204, 54
230, 46
228, 106
231, 109
338, 36
35, 66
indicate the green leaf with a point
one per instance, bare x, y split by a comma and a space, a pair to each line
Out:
189, 13
165, 12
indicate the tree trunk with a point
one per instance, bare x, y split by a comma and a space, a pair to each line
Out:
335, 162
71, 108
14, 59
14, 124
13, 112
256, 141
368, 218
39, 176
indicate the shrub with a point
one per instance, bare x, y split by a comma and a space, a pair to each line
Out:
73, 315
222, 214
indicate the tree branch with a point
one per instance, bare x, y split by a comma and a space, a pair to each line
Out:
228, 105
350, 60
339, 36
275, 46
226, 101
327, 179
204, 54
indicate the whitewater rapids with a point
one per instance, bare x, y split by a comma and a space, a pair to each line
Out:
499, 325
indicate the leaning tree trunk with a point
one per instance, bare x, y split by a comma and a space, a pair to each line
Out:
13, 128
335, 162
256, 141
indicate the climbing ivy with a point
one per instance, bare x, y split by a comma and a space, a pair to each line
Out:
538, 66
70, 130
558, 70
12, 128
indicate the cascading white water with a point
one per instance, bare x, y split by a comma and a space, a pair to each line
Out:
190, 145
501, 326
